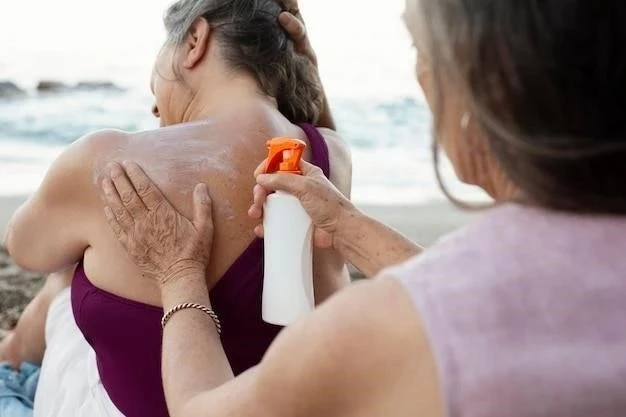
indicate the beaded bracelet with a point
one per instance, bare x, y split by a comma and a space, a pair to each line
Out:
167, 316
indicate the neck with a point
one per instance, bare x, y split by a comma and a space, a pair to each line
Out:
222, 94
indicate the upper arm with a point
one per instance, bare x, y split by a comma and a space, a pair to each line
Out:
51, 230
362, 353
328, 266
341, 161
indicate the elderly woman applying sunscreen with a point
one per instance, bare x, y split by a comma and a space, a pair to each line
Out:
519, 315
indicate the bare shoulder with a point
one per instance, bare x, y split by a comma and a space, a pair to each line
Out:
103, 140
92, 147
337, 145
52, 229
76, 169
364, 352
72, 171
340, 161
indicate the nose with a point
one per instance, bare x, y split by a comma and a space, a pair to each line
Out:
155, 111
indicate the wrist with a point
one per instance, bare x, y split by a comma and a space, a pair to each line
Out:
183, 279
182, 270
349, 221
185, 287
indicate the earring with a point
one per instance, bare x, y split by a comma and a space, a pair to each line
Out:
465, 120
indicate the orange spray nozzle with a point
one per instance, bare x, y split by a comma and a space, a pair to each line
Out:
284, 155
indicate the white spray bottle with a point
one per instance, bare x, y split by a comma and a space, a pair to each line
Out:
288, 277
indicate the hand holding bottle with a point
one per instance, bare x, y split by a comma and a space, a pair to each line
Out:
322, 201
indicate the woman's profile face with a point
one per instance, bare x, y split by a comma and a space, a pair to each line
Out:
449, 130
410, 18
457, 131
166, 87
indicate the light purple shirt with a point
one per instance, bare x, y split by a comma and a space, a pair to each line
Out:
526, 314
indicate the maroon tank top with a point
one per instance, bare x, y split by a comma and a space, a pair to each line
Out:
126, 334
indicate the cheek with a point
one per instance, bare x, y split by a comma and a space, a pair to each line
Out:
424, 81
459, 157
163, 71
466, 151
423, 78
455, 140
159, 93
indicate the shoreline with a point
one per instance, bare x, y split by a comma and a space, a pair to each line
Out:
422, 223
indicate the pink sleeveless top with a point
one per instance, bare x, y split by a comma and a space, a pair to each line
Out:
526, 314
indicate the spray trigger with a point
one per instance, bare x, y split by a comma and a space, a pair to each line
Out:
284, 155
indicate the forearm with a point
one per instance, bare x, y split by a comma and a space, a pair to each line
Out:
370, 245
193, 360
29, 333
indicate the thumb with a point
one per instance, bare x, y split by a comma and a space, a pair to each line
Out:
309, 170
293, 26
202, 207
296, 185
261, 168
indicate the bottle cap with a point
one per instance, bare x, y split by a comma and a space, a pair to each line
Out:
284, 155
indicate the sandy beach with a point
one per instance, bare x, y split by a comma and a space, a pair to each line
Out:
423, 224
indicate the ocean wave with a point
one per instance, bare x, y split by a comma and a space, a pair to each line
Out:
389, 138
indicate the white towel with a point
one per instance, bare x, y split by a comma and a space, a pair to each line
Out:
69, 384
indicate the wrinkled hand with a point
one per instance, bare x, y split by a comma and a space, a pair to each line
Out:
323, 202
160, 240
293, 23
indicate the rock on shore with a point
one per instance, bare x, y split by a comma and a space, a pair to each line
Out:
9, 90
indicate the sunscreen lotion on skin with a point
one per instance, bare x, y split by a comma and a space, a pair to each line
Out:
288, 275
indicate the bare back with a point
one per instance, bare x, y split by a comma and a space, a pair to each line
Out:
222, 153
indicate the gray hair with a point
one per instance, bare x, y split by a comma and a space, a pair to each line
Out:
252, 41
546, 83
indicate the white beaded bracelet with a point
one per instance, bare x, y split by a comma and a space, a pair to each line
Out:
167, 316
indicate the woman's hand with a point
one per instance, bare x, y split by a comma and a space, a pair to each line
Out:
293, 23
326, 206
160, 240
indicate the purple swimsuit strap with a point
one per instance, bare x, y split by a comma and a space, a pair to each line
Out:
319, 149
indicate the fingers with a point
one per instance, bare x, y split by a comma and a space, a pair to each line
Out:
129, 197
289, 183
259, 197
115, 206
310, 170
293, 184
202, 208
259, 231
147, 190
293, 26
307, 169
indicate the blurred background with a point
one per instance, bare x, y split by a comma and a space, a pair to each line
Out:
69, 67
366, 63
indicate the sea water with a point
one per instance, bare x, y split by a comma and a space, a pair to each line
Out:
366, 63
